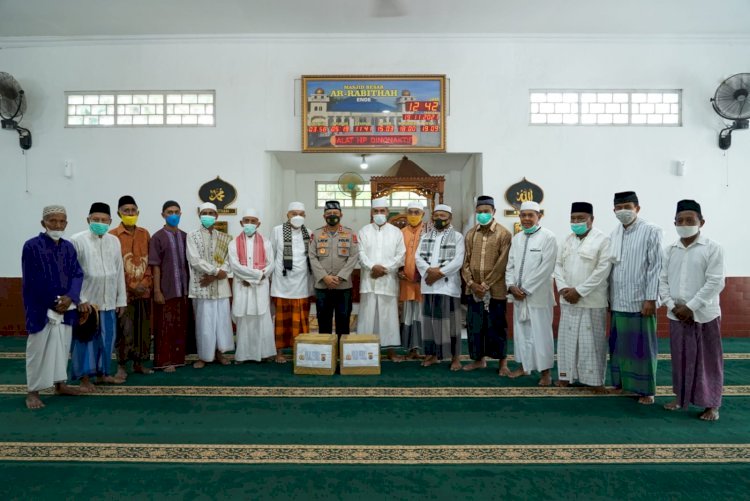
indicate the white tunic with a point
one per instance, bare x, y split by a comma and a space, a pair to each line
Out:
451, 284
531, 262
251, 304
204, 264
383, 245
584, 265
253, 299
297, 284
103, 275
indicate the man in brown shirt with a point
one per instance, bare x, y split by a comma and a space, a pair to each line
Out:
134, 326
487, 246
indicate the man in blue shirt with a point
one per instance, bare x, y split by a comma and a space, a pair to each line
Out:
52, 280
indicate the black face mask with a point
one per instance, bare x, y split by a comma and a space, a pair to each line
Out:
333, 220
440, 223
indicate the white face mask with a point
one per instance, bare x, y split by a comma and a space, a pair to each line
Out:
55, 234
297, 221
379, 219
687, 231
625, 216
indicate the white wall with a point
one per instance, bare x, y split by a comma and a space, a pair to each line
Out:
489, 82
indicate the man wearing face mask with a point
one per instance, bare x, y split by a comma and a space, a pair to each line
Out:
251, 261
487, 247
381, 254
333, 256
207, 251
528, 276
409, 291
581, 273
172, 313
439, 260
100, 257
292, 277
134, 326
691, 279
52, 280
633, 291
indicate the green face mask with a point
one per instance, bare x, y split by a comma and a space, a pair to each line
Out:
98, 229
484, 218
579, 228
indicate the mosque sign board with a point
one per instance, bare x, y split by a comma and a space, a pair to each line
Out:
373, 113
220, 193
520, 192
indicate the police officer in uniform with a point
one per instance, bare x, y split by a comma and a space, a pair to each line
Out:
333, 255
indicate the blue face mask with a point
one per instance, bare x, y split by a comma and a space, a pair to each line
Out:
98, 229
579, 228
208, 221
531, 230
249, 229
173, 220
484, 218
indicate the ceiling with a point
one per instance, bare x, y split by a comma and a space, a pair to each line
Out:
118, 18
378, 163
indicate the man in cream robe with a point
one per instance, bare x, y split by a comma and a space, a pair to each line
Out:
251, 261
381, 254
207, 251
581, 274
528, 276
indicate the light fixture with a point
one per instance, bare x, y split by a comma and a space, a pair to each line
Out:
363, 165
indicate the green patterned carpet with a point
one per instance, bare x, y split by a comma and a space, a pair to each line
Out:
256, 431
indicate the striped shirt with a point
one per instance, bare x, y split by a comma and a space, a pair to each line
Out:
635, 278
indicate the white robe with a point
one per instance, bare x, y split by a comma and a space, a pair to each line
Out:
298, 282
378, 304
103, 273
583, 264
251, 304
47, 354
531, 262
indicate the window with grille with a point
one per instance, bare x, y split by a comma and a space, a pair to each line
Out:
140, 109
606, 107
328, 190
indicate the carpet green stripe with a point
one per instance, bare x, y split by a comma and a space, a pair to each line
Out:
366, 421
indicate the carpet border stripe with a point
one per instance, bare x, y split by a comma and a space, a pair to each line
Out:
376, 454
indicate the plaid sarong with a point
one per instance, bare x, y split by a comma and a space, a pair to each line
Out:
292, 319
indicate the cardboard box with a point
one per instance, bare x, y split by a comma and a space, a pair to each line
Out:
315, 354
360, 354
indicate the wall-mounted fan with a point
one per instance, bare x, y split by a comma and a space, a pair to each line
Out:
731, 102
12, 108
350, 184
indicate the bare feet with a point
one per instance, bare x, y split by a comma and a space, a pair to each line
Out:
710, 414
109, 380
546, 379
122, 372
170, 368
414, 355
517, 373
476, 364
140, 369
222, 359
673, 406
646, 400
33, 402
86, 386
393, 357
503, 371
64, 389
199, 364
430, 360
456, 364
562, 384
280, 358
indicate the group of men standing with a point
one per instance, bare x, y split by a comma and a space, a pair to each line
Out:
114, 277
